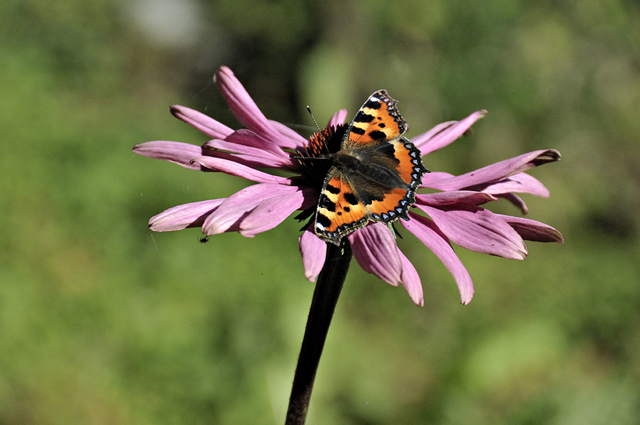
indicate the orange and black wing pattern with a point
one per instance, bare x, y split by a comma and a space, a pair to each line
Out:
377, 120
375, 174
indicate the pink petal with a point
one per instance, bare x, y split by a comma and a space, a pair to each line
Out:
314, 252
433, 178
270, 212
202, 122
478, 230
310, 198
246, 137
291, 139
236, 169
375, 249
176, 152
250, 161
183, 216
465, 197
518, 183
532, 230
445, 133
257, 155
424, 137
228, 216
230, 146
338, 118
245, 109
499, 170
515, 200
429, 234
411, 281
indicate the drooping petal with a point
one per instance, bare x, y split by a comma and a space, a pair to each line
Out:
429, 234
176, 152
375, 249
270, 212
456, 197
228, 216
183, 216
445, 133
498, 171
200, 121
247, 112
314, 252
515, 200
411, 280
240, 170
532, 230
478, 230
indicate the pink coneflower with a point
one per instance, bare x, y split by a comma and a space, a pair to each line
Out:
454, 214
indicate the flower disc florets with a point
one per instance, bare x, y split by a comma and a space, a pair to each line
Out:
313, 159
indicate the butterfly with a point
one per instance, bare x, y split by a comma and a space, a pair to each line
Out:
373, 176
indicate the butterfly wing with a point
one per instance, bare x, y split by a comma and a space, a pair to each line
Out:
377, 120
375, 174
340, 210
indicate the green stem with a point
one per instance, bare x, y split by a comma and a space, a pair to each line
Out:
325, 298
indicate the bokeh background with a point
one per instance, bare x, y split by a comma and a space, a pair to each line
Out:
104, 322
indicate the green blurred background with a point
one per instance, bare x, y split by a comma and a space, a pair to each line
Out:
104, 322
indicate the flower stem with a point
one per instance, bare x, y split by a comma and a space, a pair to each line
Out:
325, 298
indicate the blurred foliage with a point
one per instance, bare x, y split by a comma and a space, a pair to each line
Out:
103, 322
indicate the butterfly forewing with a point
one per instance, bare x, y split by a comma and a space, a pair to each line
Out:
378, 119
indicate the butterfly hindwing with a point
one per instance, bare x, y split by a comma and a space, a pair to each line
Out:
398, 197
339, 208
410, 168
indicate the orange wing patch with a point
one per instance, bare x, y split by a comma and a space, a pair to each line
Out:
410, 164
339, 208
378, 119
393, 205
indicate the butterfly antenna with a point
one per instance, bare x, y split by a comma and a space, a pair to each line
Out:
324, 142
312, 117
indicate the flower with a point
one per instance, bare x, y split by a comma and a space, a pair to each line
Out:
453, 214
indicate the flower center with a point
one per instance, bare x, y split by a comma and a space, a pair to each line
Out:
315, 159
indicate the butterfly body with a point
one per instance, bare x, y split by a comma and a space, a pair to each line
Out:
373, 176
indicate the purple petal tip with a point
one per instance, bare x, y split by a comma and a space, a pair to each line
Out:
550, 155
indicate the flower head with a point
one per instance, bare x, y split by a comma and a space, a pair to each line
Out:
453, 214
